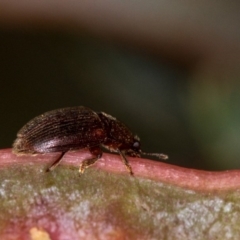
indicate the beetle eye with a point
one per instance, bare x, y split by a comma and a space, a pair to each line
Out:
136, 145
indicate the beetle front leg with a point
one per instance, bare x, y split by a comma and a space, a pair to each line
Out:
97, 151
125, 162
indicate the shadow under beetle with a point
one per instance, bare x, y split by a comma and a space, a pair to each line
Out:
74, 128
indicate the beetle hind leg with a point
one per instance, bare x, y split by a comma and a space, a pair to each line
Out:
55, 163
89, 162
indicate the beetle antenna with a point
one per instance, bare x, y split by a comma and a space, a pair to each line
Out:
158, 155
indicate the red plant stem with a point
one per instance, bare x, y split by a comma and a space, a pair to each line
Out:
145, 168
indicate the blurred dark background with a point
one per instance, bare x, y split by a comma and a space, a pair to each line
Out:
178, 89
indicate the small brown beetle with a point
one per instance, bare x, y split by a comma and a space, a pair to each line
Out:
73, 128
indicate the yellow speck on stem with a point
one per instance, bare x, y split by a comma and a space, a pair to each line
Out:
39, 234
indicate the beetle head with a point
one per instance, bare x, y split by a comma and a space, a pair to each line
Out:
135, 149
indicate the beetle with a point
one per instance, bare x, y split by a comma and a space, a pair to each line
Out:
79, 127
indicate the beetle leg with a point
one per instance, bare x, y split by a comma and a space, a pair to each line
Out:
55, 163
97, 151
125, 162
